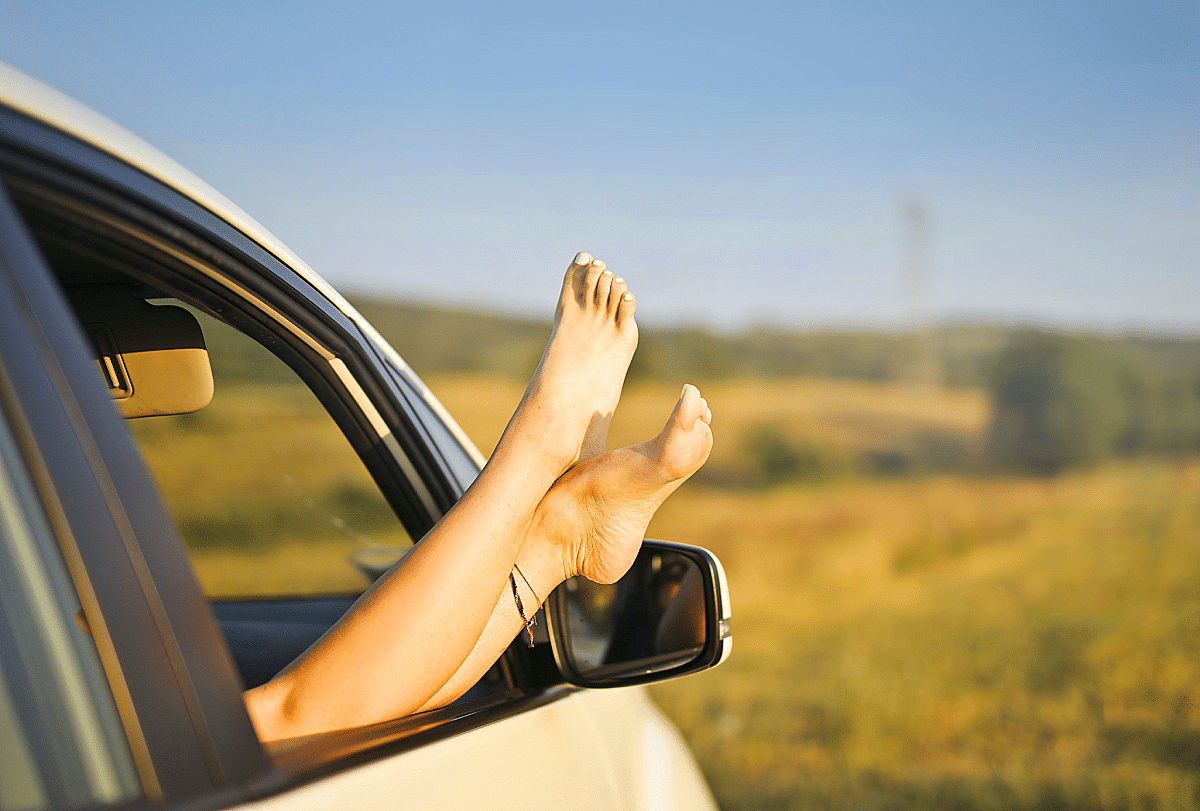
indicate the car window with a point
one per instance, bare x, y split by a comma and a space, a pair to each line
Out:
271, 499
61, 738
276, 485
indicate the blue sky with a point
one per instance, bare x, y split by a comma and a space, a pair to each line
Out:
736, 165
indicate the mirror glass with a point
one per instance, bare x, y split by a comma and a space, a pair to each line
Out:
651, 620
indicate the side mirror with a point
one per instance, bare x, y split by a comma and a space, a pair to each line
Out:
667, 617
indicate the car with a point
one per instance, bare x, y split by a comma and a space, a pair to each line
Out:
207, 454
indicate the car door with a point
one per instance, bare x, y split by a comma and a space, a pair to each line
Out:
174, 690
165, 660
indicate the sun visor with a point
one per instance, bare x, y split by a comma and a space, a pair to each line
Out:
152, 358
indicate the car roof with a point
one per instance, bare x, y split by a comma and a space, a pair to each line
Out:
43, 103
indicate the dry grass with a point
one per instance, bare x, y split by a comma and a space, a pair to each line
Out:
268, 494
974, 643
930, 642
846, 416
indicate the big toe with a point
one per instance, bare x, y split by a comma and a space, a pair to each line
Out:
574, 280
691, 407
685, 442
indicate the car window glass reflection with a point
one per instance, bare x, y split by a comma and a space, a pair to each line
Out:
62, 742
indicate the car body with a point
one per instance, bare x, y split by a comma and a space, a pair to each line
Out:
122, 671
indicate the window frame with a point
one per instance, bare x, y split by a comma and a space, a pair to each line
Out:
284, 317
64, 433
58, 700
195, 655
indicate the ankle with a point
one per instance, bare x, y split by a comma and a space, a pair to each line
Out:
544, 565
555, 539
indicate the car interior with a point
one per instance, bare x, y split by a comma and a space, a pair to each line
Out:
155, 362
151, 352
152, 358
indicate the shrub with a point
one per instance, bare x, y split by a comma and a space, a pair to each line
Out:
1057, 401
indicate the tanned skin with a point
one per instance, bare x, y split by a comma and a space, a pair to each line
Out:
548, 499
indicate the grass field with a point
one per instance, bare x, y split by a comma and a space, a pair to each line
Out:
932, 638
284, 508
929, 640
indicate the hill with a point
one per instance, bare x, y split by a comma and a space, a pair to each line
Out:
441, 340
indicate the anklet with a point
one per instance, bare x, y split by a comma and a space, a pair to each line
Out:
529, 623
536, 598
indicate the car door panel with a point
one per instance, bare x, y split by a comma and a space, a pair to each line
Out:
543, 758
649, 759
164, 647
264, 636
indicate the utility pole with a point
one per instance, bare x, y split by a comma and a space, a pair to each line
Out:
925, 368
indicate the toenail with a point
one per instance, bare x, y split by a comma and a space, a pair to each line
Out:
607, 272
628, 297
582, 258
597, 263
619, 279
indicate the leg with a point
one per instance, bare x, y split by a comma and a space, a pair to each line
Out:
592, 523
413, 628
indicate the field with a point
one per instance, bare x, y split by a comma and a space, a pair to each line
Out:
286, 509
910, 631
925, 639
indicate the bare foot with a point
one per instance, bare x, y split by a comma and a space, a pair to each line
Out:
596, 514
592, 522
566, 409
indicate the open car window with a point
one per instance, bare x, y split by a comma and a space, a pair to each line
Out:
270, 498
275, 483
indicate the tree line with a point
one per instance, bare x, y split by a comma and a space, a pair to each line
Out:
1063, 401
1059, 400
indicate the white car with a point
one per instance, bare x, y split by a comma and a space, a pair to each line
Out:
153, 567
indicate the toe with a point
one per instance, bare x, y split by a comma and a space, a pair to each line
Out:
591, 278
625, 308
616, 291
576, 270
691, 406
574, 278
603, 289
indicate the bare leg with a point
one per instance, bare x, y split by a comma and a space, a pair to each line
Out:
415, 626
592, 523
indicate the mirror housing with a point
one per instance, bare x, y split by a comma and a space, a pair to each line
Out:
667, 617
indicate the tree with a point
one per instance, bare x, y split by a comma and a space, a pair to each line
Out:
1058, 401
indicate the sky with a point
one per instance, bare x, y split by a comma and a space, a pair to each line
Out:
737, 165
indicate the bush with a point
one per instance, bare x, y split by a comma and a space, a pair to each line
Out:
775, 458
1057, 402
1062, 401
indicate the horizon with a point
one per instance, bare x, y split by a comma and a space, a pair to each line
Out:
738, 167
1184, 333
